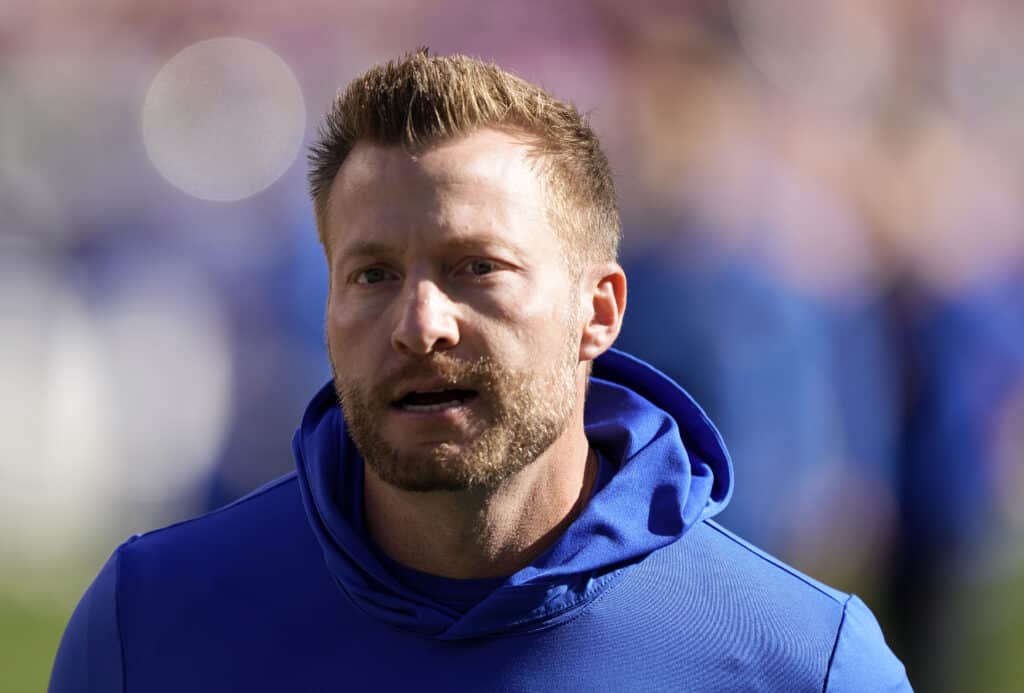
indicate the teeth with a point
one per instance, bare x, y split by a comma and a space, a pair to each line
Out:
441, 406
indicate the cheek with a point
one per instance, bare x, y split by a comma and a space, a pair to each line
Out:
550, 307
345, 331
535, 328
351, 311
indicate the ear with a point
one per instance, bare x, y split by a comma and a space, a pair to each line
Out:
603, 303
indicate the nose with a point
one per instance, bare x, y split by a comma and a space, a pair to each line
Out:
426, 322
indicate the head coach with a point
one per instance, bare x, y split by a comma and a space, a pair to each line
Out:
501, 502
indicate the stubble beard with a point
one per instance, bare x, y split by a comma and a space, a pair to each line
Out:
525, 413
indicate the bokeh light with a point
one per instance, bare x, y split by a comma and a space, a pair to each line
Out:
223, 119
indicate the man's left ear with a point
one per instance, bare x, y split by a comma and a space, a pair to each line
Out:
603, 302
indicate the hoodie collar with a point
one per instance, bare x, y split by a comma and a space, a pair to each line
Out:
668, 459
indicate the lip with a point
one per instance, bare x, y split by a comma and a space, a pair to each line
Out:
455, 414
431, 385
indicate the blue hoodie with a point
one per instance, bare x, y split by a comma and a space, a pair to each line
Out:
284, 591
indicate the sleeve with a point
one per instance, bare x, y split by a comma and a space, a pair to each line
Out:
861, 661
90, 658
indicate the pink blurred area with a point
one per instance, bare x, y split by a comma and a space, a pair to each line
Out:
821, 202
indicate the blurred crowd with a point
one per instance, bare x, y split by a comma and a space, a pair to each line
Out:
823, 234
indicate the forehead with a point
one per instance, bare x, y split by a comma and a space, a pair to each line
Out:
486, 181
479, 157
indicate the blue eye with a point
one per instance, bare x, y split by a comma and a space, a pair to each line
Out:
373, 275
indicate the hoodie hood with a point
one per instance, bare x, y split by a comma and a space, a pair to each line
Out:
671, 471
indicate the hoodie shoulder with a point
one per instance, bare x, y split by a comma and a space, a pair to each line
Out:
261, 538
861, 660
229, 585
741, 615
89, 656
154, 579
275, 501
768, 568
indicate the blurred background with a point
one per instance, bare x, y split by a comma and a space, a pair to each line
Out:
824, 236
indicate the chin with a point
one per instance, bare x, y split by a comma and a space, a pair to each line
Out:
441, 467
423, 474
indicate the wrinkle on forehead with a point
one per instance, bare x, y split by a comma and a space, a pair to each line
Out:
493, 159
480, 166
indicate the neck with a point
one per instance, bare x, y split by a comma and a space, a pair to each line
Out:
482, 533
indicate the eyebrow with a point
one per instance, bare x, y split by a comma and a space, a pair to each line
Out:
368, 249
375, 248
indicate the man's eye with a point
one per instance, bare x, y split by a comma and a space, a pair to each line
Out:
373, 275
480, 267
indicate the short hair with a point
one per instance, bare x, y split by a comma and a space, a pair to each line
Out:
421, 100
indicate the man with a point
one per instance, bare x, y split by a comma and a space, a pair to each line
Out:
482, 512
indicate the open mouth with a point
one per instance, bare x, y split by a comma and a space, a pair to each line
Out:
434, 400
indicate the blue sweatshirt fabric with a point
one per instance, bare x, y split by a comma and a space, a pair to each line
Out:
283, 590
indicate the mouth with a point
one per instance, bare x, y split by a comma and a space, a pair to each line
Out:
431, 401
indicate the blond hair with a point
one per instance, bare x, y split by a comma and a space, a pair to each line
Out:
420, 100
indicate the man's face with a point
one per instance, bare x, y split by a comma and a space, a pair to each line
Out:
452, 319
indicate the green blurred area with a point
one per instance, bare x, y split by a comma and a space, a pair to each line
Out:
33, 613
29, 634
993, 644
30, 630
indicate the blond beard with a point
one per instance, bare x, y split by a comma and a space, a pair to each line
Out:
526, 413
